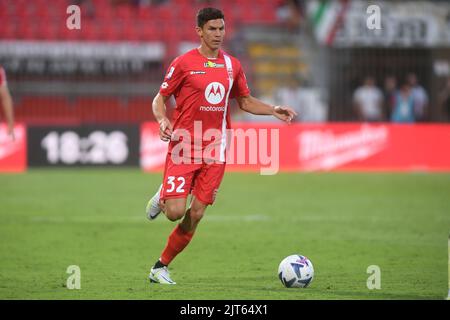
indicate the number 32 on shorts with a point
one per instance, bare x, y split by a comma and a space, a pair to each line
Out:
175, 184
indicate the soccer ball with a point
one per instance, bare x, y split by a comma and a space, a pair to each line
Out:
296, 271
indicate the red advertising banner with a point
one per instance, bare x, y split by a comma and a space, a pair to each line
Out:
152, 150
13, 154
269, 148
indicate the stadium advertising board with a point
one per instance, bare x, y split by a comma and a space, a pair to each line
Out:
83, 146
270, 148
381, 147
13, 153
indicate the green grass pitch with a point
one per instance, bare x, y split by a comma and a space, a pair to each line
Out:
344, 222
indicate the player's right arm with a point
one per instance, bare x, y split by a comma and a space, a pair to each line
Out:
171, 86
7, 103
159, 111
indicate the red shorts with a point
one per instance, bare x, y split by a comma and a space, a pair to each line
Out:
202, 180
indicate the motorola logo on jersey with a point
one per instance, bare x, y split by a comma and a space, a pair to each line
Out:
212, 108
215, 92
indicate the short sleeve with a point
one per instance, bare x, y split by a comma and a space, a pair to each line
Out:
240, 86
173, 79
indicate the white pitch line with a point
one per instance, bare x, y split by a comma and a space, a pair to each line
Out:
140, 219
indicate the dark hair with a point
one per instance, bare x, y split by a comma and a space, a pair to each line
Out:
206, 14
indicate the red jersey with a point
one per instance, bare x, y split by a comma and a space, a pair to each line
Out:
202, 88
2, 77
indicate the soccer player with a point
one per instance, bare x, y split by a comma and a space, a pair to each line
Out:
6, 102
202, 82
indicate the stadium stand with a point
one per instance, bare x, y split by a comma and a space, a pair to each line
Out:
123, 21
326, 55
105, 21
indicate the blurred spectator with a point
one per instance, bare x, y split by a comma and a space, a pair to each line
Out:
289, 13
444, 101
368, 101
389, 92
403, 111
306, 101
6, 102
313, 108
289, 96
420, 98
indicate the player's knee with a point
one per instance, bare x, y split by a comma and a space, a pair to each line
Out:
197, 213
174, 212
174, 215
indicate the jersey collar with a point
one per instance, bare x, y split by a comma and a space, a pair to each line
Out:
219, 56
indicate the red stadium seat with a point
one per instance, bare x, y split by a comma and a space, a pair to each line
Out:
165, 13
26, 31
44, 110
173, 21
140, 109
8, 31
125, 12
103, 9
145, 13
107, 30
97, 109
18, 8
170, 23
149, 32
89, 30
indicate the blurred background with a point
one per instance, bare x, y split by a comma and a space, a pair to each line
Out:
317, 56
347, 62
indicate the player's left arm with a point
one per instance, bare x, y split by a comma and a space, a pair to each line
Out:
255, 106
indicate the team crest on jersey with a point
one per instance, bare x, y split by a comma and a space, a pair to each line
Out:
211, 64
215, 92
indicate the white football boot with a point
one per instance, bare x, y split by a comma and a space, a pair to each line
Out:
160, 275
153, 209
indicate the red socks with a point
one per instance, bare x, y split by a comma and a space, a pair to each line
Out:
178, 240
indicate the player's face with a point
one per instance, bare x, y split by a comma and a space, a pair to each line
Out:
212, 33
